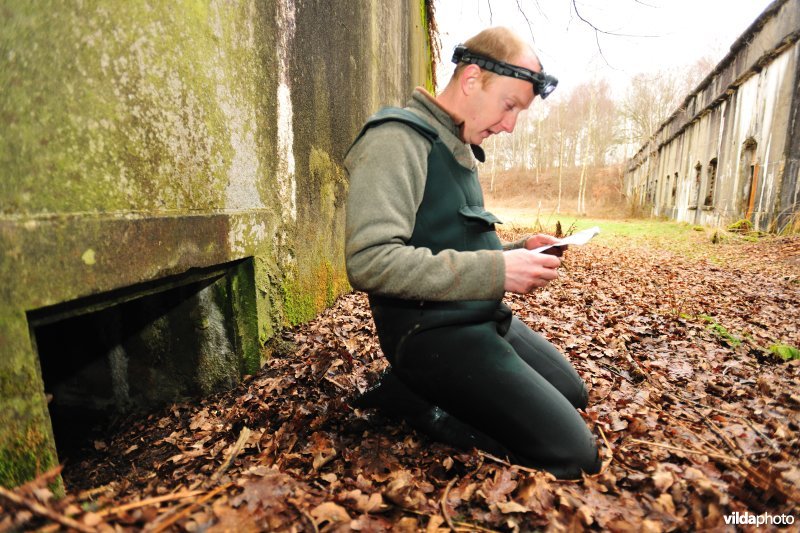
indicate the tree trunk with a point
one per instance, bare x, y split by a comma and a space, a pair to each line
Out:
560, 168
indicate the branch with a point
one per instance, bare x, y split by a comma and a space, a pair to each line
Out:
43, 511
443, 504
598, 30
530, 29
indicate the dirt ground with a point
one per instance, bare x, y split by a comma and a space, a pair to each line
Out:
696, 418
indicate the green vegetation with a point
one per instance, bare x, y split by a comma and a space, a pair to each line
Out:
720, 330
792, 227
785, 352
741, 226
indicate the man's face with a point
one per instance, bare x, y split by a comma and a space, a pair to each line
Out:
494, 106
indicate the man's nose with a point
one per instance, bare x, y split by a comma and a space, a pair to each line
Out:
508, 122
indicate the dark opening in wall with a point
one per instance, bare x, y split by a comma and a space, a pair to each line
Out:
695, 192
711, 183
139, 348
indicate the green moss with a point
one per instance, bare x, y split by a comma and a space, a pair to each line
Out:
305, 297
26, 442
318, 277
243, 299
131, 106
26, 457
427, 30
741, 226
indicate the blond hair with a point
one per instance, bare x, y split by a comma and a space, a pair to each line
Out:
498, 43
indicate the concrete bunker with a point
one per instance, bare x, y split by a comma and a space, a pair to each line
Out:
142, 142
138, 348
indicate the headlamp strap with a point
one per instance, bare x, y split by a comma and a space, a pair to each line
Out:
543, 84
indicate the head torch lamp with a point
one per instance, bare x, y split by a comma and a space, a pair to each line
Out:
543, 84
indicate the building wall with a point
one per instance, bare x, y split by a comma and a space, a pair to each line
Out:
142, 141
734, 130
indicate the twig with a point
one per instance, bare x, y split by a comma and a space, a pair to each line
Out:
443, 503
493, 458
166, 523
616, 372
307, 516
740, 463
506, 463
724, 438
610, 450
466, 526
461, 526
620, 460
683, 450
760, 434
237, 448
43, 511
331, 380
681, 423
149, 501
91, 492
769, 441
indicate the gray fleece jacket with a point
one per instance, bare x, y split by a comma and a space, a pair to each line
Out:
388, 169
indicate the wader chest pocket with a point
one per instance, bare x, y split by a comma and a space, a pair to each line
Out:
477, 218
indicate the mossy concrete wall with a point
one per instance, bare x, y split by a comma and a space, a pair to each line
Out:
145, 140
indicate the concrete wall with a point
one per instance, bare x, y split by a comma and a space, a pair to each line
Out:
730, 151
146, 141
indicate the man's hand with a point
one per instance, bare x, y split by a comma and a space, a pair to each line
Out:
526, 270
536, 241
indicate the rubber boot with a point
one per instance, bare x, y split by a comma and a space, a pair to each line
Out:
395, 399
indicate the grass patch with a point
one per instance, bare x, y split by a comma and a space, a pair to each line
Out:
680, 237
647, 227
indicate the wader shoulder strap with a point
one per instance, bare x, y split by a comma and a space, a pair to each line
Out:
398, 114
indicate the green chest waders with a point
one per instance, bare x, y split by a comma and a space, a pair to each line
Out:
450, 216
494, 379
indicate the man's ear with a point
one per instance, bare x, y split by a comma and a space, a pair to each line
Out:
470, 79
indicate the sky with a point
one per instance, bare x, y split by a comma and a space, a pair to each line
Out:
654, 34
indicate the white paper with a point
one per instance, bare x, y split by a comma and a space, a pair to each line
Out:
579, 238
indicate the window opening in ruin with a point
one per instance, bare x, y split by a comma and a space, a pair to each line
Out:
655, 191
749, 178
675, 189
129, 353
698, 174
710, 184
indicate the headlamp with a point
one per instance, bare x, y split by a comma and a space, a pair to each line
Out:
543, 84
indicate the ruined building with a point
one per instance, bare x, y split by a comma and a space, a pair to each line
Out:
171, 193
732, 149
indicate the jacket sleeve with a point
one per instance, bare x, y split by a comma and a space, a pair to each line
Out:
513, 245
387, 169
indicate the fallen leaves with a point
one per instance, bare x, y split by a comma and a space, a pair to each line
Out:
691, 427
